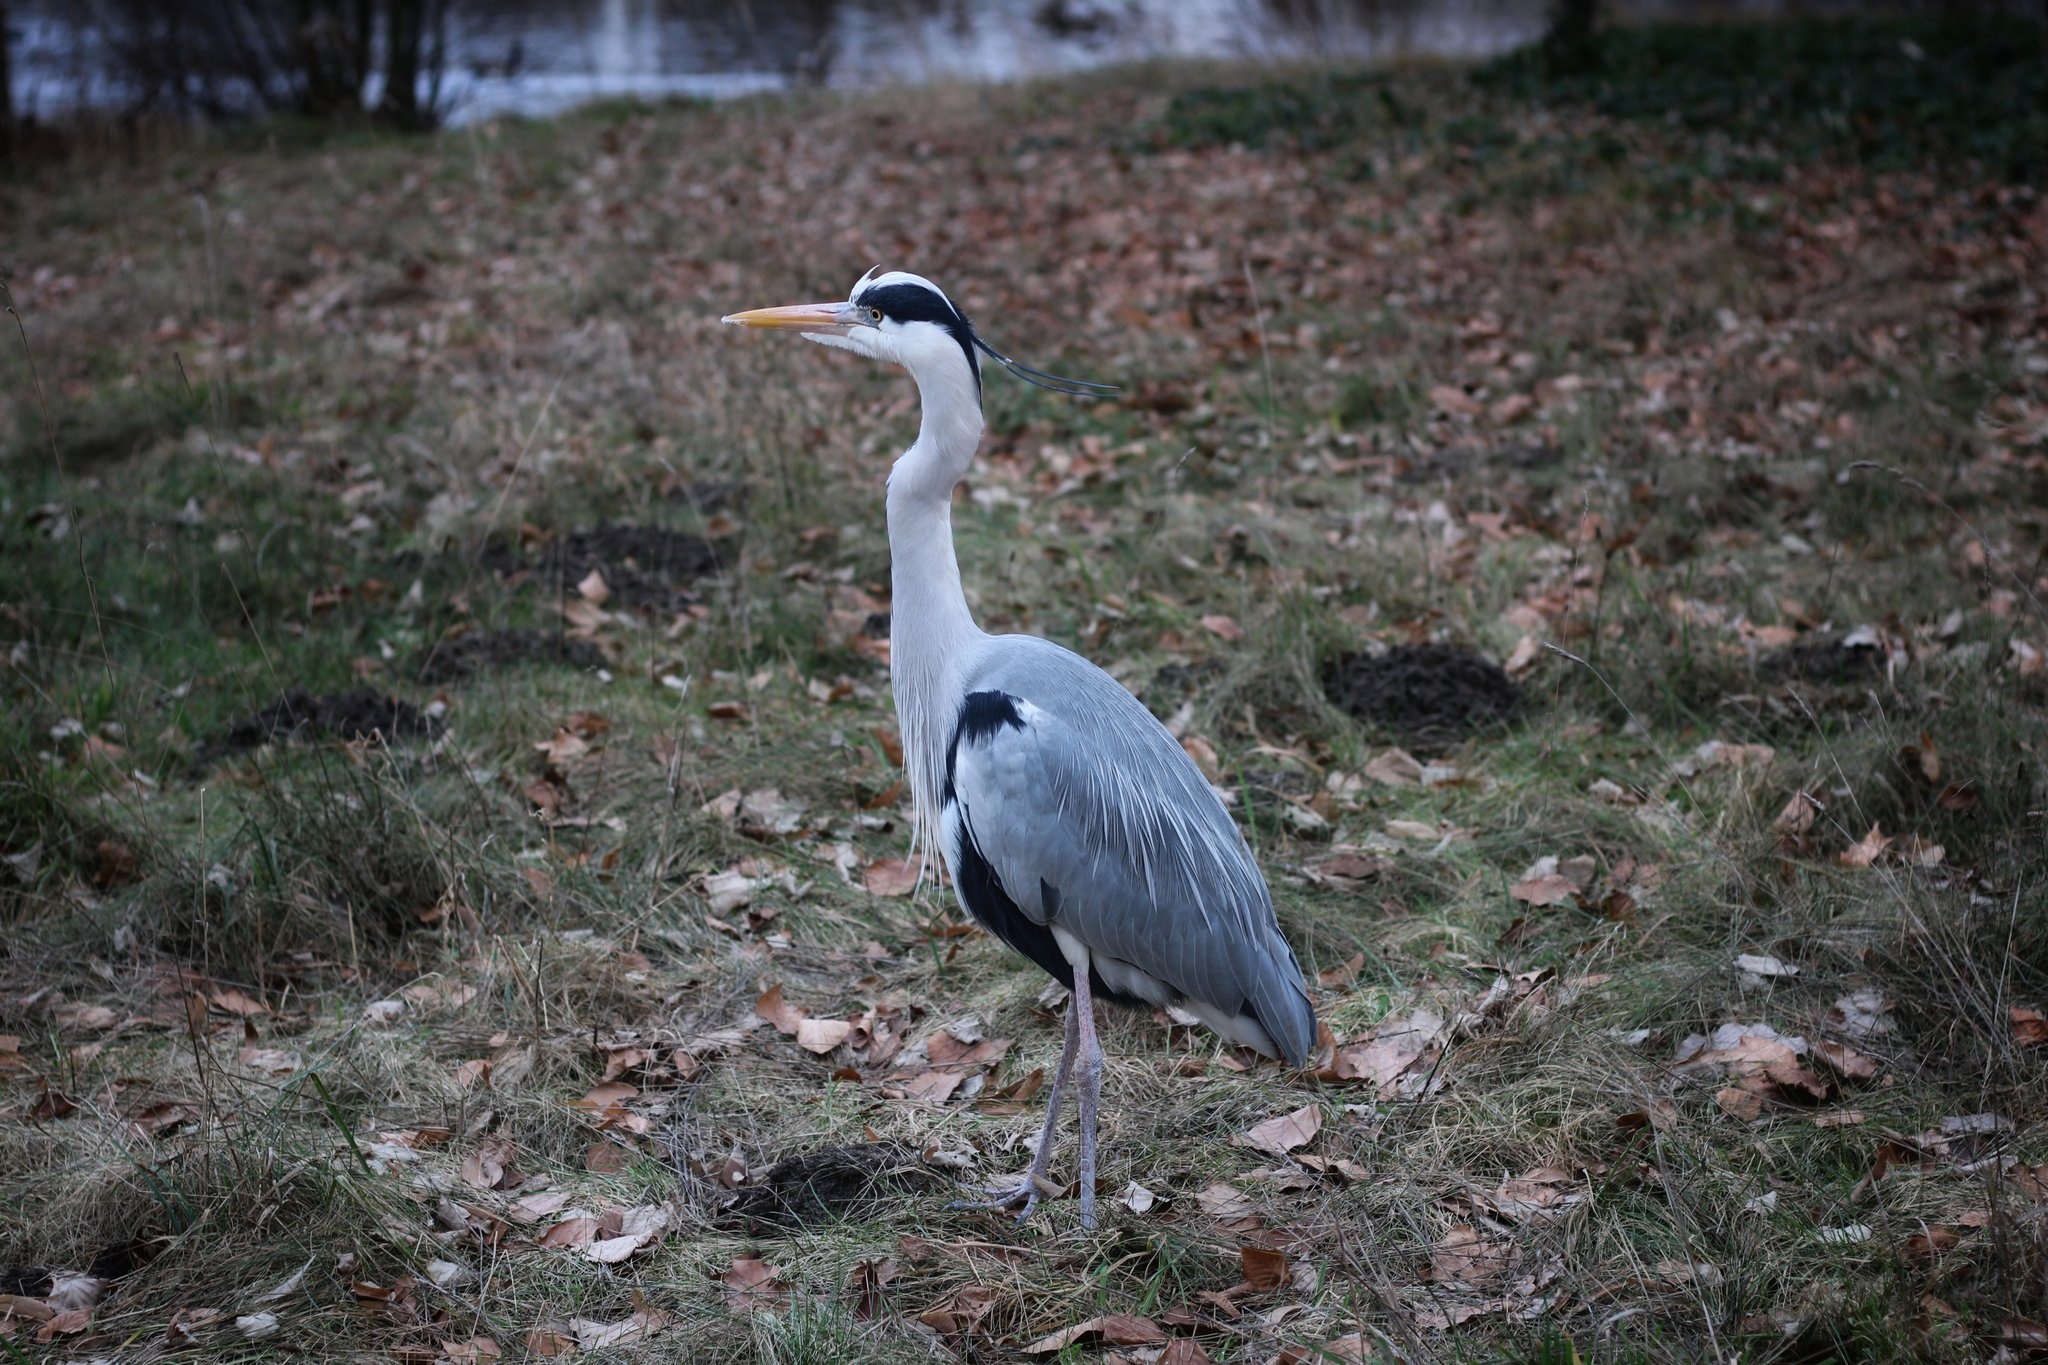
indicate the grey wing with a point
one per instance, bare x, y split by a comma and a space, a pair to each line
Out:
1068, 806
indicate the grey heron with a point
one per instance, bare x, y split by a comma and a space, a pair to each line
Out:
1077, 830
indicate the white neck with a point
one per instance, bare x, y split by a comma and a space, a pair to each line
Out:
930, 627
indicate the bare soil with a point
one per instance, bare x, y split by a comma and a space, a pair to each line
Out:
1428, 696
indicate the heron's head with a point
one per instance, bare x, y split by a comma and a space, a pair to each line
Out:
906, 319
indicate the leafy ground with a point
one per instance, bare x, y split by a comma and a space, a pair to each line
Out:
1690, 1008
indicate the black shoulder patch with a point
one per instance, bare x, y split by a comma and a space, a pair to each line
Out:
982, 714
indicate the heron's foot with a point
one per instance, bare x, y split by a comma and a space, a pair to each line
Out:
1021, 1195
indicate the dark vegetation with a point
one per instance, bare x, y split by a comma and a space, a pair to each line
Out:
1741, 101
315, 59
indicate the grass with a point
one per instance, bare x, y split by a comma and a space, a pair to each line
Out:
1522, 363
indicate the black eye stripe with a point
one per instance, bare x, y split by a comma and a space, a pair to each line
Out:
912, 303
916, 303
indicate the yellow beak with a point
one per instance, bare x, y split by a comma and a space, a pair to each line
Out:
799, 317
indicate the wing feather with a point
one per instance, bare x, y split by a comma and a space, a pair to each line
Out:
1088, 794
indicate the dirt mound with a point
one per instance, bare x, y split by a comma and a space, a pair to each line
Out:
644, 566
297, 714
1429, 696
829, 1183
1823, 659
452, 660
108, 1263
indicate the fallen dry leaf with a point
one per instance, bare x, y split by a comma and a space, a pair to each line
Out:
2029, 1028
563, 748
962, 1311
753, 1285
1866, 850
611, 1250
531, 1208
1860, 1014
570, 1234
1535, 1196
606, 1095
2024, 1332
1758, 1060
1352, 1349
1394, 768
1344, 973
1264, 1268
1717, 754
1114, 1329
1550, 889
25, 1308
236, 1003
1344, 1168
1933, 1241
547, 1343
1392, 1052
591, 1335
1454, 402
1466, 1257
821, 1035
730, 890
271, 1060
493, 1165
890, 876
1348, 868
1137, 1198
1846, 1061
1281, 1135
956, 1054
1796, 817
605, 1157
786, 1017
1225, 1202
1522, 660
1924, 756
930, 1087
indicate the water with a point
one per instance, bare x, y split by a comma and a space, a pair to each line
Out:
538, 57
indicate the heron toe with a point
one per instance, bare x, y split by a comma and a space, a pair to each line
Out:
1002, 1196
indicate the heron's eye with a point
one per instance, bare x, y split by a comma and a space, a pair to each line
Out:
875, 316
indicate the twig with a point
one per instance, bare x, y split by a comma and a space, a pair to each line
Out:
1265, 351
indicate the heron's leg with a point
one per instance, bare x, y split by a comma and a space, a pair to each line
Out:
1042, 1158
1091, 1089
1027, 1190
